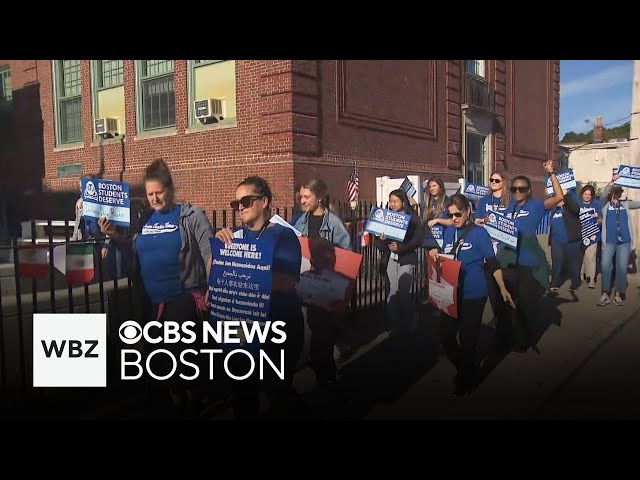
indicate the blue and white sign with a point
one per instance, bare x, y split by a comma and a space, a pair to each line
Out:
438, 234
502, 229
240, 283
106, 198
408, 188
475, 192
385, 222
629, 176
566, 179
590, 226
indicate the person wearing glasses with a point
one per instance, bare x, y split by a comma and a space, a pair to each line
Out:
317, 219
617, 238
525, 269
253, 201
588, 268
471, 246
170, 255
401, 258
497, 201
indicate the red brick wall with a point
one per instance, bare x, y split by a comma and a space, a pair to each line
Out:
206, 165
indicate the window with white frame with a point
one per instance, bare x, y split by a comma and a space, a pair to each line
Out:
155, 93
476, 67
108, 91
68, 93
213, 80
5, 85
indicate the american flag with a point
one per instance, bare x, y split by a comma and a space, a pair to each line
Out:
353, 186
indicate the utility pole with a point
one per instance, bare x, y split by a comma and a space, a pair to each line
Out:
634, 157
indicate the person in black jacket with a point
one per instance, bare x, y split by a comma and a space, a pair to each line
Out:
402, 258
565, 239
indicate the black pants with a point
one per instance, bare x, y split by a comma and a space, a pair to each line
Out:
181, 309
526, 292
282, 399
325, 330
467, 327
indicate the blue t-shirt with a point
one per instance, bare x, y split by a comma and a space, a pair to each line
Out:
489, 203
287, 257
617, 215
527, 218
158, 247
558, 227
475, 247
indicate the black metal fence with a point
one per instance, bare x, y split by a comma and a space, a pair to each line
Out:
113, 294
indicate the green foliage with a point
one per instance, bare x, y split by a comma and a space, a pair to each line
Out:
622, 131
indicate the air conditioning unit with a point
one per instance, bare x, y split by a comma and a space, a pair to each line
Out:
210, 108
107, 127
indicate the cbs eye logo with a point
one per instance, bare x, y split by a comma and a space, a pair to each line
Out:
130, 332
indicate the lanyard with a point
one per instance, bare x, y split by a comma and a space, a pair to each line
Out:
457, 243
264, 227
514, 214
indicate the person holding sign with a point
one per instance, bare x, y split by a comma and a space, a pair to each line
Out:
616, 241
588, 204
253, 201
472, 247
525, 269
170, 254
401, 259
318, 220
498, 201
565, 240
435, 212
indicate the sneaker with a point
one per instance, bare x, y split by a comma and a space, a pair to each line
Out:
554, 289
617, 300
604, 300
592, 284
573, 289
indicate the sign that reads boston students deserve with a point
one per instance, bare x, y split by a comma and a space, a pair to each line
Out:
475, 192
106, 198
566, 179
389, 223
629, 176
502, 229
590, 226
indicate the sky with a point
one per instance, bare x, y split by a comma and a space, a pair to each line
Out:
589, 88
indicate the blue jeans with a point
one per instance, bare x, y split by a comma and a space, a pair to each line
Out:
565, 257
621, 252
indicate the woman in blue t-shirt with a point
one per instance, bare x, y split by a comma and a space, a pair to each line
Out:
253, 201
589, 253
525, 268
170, 258
470, 245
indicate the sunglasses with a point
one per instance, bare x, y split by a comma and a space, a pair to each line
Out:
456, 214
246, 201
495, 180
519, 189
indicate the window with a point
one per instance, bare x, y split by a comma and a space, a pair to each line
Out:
213, 79
108, 91
156, 99
68, 92
109, 73
70, 170
475, 67
5, 85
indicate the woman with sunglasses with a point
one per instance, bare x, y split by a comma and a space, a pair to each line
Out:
170, 254
317, 219
617, 238
589, 254
253, 201
401, 258
525, 269
471, 246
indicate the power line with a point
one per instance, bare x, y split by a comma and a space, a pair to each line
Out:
590, 142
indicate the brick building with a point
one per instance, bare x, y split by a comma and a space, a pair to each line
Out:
286, 120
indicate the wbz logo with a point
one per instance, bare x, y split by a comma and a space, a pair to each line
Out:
69, 350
